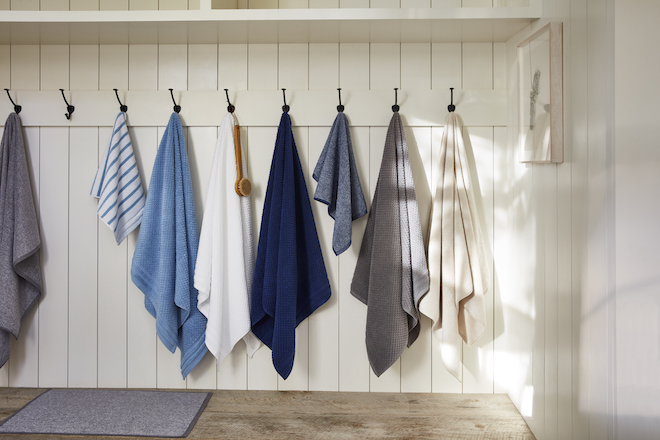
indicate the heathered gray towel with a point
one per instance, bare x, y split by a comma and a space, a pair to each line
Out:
391, 274
339, 184
20, 274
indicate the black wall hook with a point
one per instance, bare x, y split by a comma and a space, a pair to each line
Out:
17, 108
285, 108
340, 108
395, 107
177, 108
451, 107
69, 107
230, 108
122, 107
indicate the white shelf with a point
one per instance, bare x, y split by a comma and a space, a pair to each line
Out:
265, 26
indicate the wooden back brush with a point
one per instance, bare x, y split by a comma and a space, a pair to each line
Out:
242, 186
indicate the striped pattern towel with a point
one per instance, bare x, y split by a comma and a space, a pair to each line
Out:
117, 184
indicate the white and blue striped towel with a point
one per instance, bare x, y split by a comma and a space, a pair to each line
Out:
117, 184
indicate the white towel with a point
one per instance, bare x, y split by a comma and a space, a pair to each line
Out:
457, 259
117, 184
225, 260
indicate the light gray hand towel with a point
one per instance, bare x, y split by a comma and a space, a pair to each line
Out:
339, 183
391, 274
20, 272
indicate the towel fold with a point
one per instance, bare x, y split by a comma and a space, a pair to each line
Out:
391, 274
457, 258
20, 271
117, 183
290, 280
225, 261
339, 183
166, 251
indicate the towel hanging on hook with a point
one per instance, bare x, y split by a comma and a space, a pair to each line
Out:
177, 107
69, 107
122, 108
17, 108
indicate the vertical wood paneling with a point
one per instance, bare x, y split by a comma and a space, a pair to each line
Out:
54, 67
446, 3
172, 4
142, 341
385, 67
113, 5
477, 66
262, 66
354, 367
233, 66
172, 67
324, 323
327, 4
23, 364
54, 226
416, 368
25, 67
293, 67
5, 66
84, 72
149, 5
298, 379
390, 380
323, 66
446, 66
112, 299
416, 66
384, 3
202, 67
293, 4
143, 62
415, 3
477, 3
84, 5
54, 5
353, 3
263, 4
4, 5
83, 223
478, 358
260, 372
113, 67
443, 381
354, 66
499, 66
25, 5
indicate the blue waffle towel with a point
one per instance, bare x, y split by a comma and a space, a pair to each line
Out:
290, 280
339, 184
166, 251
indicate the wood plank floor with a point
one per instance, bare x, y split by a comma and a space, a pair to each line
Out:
274, 415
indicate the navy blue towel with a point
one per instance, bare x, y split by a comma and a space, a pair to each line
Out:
339, 183
166, 251
290, 280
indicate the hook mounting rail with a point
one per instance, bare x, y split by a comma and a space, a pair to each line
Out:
17, 108
69, 107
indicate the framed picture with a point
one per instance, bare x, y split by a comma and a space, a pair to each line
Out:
540, 112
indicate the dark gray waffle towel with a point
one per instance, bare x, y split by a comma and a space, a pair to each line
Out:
20, 273
391, 274
339, 184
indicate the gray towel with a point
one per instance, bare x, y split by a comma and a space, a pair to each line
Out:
391, 274
20, 273
339, 184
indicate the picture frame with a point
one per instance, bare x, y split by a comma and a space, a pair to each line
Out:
540, 93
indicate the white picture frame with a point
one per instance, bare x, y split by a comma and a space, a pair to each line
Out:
540, 92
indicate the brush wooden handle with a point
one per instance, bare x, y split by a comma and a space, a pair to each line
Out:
243, 187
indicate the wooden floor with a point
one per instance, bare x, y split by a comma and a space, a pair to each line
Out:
274, 415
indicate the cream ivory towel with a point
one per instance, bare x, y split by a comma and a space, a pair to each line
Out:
457, 259
225, 259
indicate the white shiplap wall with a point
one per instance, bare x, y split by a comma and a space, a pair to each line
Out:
91, 328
